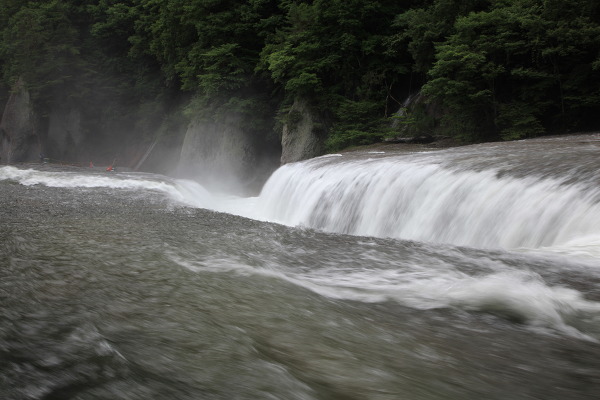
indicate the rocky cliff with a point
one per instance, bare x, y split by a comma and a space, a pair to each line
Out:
19, 140
64, 135
223, 155
303, 133
220, 155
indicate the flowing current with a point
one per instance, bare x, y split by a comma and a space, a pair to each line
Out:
464, 273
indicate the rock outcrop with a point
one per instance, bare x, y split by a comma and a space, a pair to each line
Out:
19, 140
64, 135
303, 133
403, 121
220, 155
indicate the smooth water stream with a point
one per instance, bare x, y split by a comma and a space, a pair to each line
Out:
469, 273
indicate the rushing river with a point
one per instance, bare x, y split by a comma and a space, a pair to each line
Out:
466, 273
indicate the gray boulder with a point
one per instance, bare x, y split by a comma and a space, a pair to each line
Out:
303, 133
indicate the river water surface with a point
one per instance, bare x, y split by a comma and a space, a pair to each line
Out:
466, 273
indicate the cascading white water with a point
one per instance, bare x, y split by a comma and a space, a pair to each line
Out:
121, 274
535, 195
491, 196
420, 198
181, 190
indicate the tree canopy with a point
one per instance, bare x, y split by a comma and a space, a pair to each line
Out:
493, 69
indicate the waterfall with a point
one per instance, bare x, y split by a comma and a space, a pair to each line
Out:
542, 194
422, 198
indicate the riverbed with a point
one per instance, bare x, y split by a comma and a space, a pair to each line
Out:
466, 273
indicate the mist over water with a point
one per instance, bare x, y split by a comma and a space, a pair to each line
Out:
454, 274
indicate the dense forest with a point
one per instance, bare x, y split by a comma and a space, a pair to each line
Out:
477, 70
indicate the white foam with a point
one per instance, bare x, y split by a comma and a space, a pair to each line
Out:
183, 191
415, 199
421, 200
517, 295
398, 199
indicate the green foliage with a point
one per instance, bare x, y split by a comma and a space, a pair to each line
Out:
429, 23
339, 140
335, 53
39, 45
355, 124
414, 121
517, 69
518, 121
222, 69
491, 69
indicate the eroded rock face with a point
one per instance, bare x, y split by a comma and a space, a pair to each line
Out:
218, 154
64, 136
18, 137
303, 136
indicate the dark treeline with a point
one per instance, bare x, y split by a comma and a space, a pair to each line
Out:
484, 69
